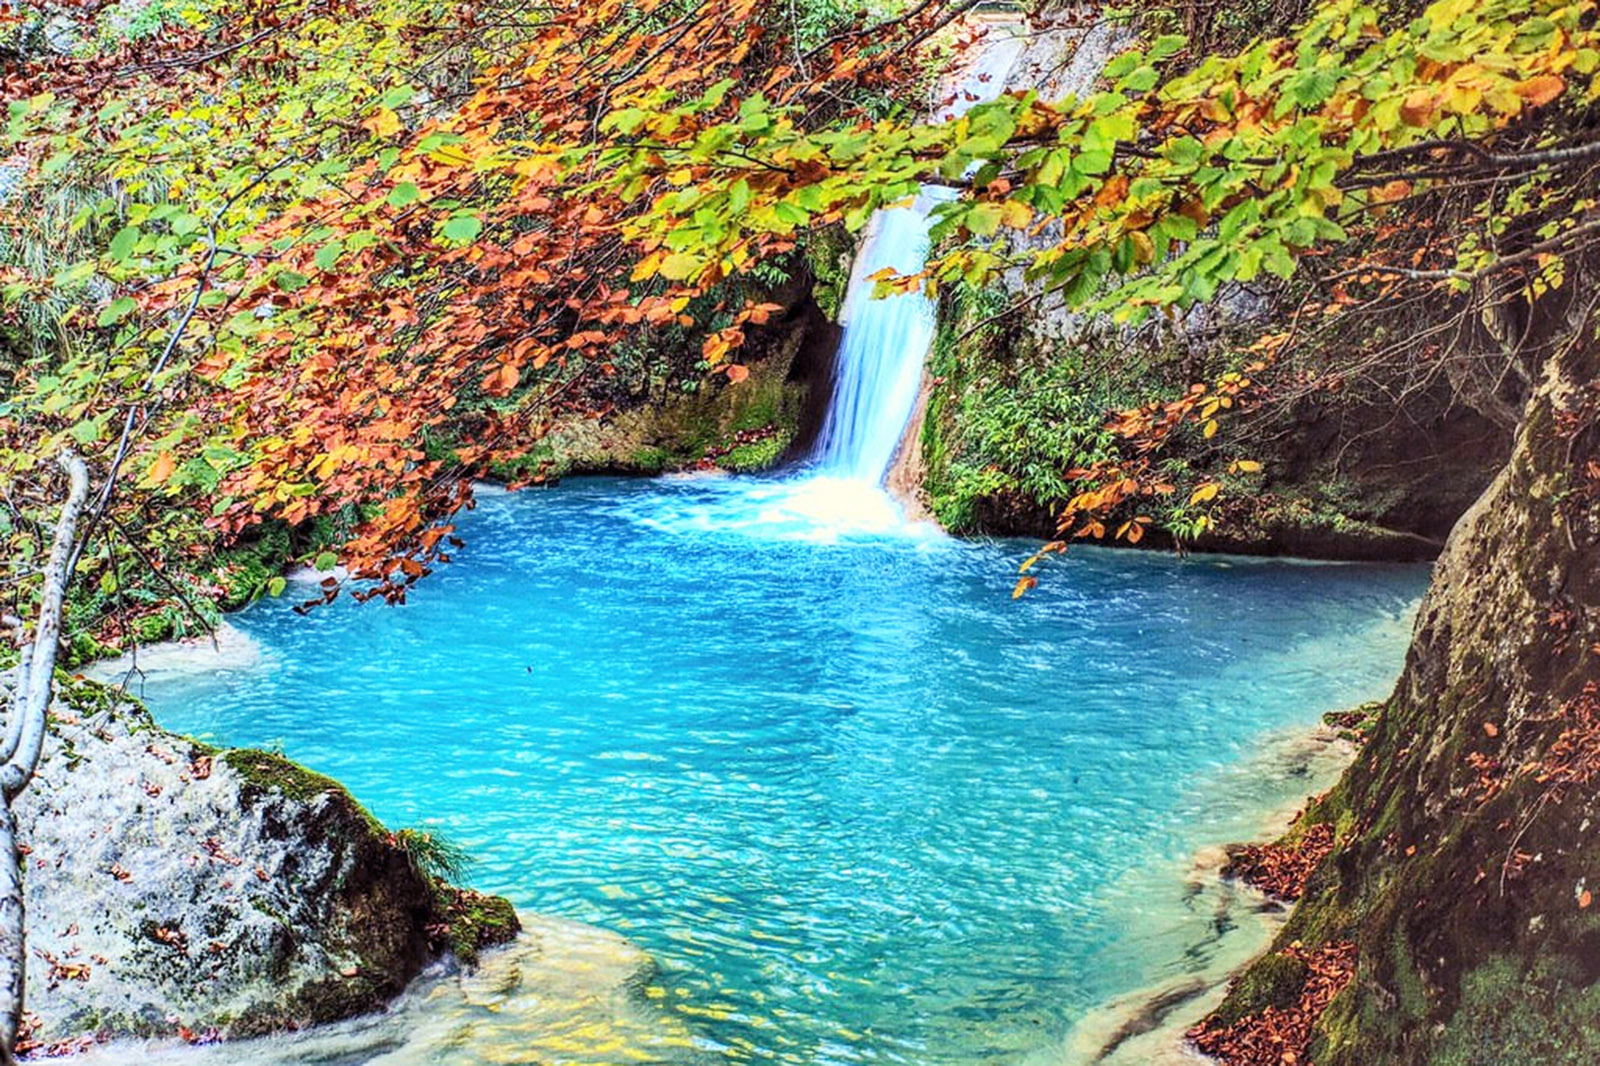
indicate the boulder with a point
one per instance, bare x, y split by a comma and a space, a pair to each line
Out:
177, 888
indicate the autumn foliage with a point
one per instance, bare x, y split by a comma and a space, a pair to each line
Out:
348, 253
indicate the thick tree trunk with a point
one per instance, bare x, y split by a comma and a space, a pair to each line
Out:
1458, 912
23, 741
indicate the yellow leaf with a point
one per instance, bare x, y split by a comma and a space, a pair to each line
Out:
1210, 429
1205, 492
680, 265
1016, 214
1248, 466
385, 123
1023, 585
1144, 249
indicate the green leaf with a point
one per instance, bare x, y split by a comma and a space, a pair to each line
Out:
398, 96
1123, 64
123, 244
404, 193
984, 219
1309, 88
625, 120
1097, 162
325, 561
276, 586
463, 228
116, 311
1142, 80
1167, 46
327, 256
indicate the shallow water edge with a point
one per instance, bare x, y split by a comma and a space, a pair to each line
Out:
575, 992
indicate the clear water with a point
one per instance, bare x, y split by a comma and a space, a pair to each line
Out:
859, 804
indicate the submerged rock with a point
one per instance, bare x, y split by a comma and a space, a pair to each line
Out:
561, 992
176, 888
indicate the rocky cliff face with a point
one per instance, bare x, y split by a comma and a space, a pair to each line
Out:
1375, 466
177, 888
705, 421
1456, 920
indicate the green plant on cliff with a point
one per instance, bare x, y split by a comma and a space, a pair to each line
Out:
1024, 426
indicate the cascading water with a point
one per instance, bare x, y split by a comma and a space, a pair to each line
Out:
840, 492
885, 342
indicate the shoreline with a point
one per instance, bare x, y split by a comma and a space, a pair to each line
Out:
557, 982
1147, 1026
228, 648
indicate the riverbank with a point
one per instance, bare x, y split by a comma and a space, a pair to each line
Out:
560, 991
1218, 923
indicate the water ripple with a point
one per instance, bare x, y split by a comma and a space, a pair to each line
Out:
860, 805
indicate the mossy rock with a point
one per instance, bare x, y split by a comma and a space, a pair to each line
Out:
1274, 980
233, 889
756, 456
268, 773
475, 921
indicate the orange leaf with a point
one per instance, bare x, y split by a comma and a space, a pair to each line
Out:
1540, 90
1417, 108
502, 380
737, 372
1390, 191
161, 469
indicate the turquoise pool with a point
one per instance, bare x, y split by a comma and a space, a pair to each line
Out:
859, 804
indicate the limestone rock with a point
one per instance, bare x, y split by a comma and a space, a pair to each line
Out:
561, 992
170, 884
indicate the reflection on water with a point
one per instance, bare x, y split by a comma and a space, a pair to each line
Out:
857, 803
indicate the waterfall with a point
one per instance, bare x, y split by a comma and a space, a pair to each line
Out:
885, 343
840, 492
886, 340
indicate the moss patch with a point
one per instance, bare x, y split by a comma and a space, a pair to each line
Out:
265, 771
472, 922
1273, 981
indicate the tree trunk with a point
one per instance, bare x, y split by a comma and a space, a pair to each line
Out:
23, 741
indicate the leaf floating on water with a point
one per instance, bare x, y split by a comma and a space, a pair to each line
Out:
1023, 585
